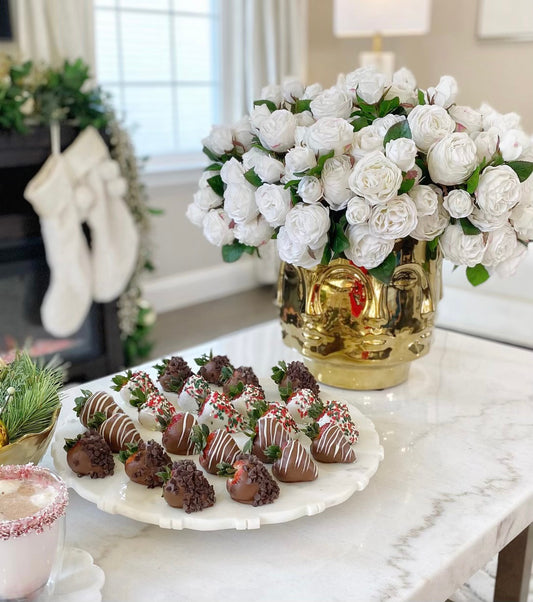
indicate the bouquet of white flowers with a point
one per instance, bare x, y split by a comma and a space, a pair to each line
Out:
353, 170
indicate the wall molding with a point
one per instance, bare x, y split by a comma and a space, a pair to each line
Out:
169, 293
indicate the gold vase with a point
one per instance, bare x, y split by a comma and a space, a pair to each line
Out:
353, 330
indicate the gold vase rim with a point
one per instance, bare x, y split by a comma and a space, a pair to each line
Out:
28, 436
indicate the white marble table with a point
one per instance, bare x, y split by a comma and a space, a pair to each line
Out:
456, 485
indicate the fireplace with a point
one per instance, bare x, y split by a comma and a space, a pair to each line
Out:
93, 351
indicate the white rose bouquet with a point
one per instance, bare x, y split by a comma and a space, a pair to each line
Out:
354, 170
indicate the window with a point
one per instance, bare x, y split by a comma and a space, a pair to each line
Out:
159, 60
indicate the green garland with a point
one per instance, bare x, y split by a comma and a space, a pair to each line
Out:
32, 95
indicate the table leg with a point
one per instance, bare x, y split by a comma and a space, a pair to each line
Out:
514, 568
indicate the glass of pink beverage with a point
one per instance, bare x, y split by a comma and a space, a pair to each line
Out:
33, 501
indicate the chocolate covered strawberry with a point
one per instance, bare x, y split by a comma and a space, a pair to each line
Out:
142, 461
292, 377
177, 434
186, 487
214, 447
329, 444
134, 386
89, 454
236, 379
211, 367
247, 398
292, 463
250, 481
337, 413
118, 430
155, 407
193, 394
173, 373
300, 403
275, 427
88, 404
217, 412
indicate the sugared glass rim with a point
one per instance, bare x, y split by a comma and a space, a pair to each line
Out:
35, 523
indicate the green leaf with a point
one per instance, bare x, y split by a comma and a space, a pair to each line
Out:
473, 180
384, 271
407, 184
295, 199
468, 227
233, 252
387, 106
317, 170
431, 248
253, 178
340, 241
210, 154
398, 130
366, 108
213, 167
421, 99
359, 123
216, 184
292, 184
154, 211
523, 169
477, 275
326, 255
271, 106
302, 105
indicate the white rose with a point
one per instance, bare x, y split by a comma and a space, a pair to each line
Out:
404, 78
273, 93
332, 102
402, 152
445, 92
365, 141
501, 245
207, 198
508, 267
220, 140
232, 172
366, 250
513, 143
258, 116
298, 160
195, 214
425, 199
430, 226
452, 159
216, 228
406, 96
292, 89
375, 178
273, 202
522, 220
458, 203
367, 83
297, 253
335, 176
305, 118
242, 134
486, 144
494, 119
312, 91
466, 118
429, 123
254, 233
300, 133
308, 224
202, 182
310, 189
267, 168
383, 124
460, 248
498, 190
395, 219
277, 131
239, 202
358, 211
250, 158
329, 134
487, 223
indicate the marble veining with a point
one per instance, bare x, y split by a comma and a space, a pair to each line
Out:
456, 485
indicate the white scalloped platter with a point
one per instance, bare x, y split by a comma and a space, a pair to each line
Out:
116, 494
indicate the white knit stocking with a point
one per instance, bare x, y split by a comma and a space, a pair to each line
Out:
68, 298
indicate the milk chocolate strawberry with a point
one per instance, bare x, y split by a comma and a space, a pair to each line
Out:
250, 481
214, 447
292, 463
89, 454
176, 435
236, 379
155, 407
292, 377
186, 487
275, 427
173, 373
211, 367
329, 444
118, 430
143, 461
90, 403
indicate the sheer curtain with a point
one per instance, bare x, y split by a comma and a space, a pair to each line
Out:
263, 42
54, 30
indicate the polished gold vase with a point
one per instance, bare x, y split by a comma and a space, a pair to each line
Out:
353, 330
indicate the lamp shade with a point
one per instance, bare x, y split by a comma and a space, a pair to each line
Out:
364, 18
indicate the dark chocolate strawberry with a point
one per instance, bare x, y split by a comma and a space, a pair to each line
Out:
292, 377
89, 454
176, 436
143, 461
329, 444
173, 373
186, 487
250, 481
211, 367
237, 379
292, 463
214, 447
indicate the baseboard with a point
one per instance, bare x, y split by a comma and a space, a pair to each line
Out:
197, 286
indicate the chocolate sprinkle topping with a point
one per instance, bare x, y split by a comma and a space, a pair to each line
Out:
176, 373
244, 375
150, 459
212, 371
299, 377
98, 453
257, 472
197, 492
